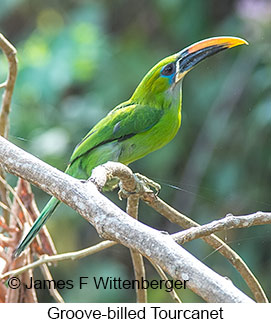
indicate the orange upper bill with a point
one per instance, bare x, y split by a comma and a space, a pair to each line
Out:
227, 42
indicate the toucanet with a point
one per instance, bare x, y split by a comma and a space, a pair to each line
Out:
144, 123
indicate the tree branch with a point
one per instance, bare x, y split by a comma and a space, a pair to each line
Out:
212, 240
137, 259
10, 52
131, 183
60, 257
114, 224
229, 222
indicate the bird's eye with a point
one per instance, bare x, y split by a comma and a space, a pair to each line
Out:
168, 69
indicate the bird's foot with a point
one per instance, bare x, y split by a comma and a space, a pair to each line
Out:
143, 185
148, 183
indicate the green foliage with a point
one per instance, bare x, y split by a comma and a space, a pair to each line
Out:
79, 59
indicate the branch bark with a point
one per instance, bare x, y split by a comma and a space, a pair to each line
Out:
137, 259
114, 224
229, 222
10, 52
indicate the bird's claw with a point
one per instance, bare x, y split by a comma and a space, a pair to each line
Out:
148, 183
143, 185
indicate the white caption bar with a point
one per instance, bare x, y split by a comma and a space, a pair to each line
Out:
153, 312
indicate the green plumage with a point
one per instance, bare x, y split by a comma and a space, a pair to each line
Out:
135, 128
128, 133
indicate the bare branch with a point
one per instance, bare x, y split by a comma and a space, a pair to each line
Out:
60, 257
138, 262
8, 85
53, 291
5, 207
215, 242
114, 224
19, 201
229, 222
10, 52
126, 176
161, 273
3, 85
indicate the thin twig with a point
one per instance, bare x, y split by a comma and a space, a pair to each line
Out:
138, 262
5, 207
53, 291
23, 208
10, 52
162, 274
227, 223
3, 85
60, 257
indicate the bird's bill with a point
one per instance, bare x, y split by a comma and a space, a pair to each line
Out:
192, 55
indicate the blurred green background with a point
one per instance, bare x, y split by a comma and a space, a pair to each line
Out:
78, 59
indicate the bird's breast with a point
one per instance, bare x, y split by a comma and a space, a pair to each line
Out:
155, 138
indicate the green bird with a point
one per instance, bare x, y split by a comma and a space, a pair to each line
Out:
144, 123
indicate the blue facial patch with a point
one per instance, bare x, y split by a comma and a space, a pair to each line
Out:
170, 77
169, 72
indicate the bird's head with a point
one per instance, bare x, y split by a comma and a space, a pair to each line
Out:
160, 83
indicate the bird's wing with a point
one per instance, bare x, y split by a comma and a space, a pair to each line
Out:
121, 123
